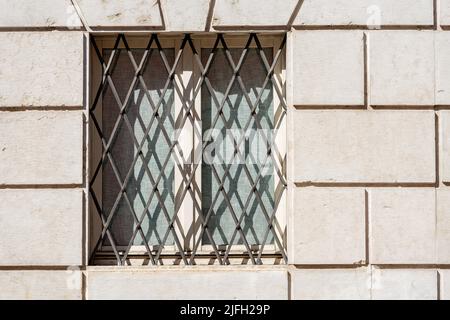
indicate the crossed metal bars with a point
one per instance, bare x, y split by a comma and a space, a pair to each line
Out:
175, 150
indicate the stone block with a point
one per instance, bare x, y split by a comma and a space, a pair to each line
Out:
196, 283
41, 147
350, 146
328, 226
40, 284
328, 68
41, 227
330, 284
402, 73
365, 13
404, 284
253, 13
38, 14
402, 225
42, 69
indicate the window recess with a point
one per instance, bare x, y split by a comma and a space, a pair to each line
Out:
188, 150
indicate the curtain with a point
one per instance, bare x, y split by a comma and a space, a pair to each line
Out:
154, 151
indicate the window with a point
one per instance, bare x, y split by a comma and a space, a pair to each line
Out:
187, 151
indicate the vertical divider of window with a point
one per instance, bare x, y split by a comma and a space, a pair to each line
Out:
188, 182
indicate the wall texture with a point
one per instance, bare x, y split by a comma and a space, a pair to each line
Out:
368, 143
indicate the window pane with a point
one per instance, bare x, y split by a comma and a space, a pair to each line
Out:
155, 150
237, 113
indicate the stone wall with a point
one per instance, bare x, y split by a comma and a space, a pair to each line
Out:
368, 147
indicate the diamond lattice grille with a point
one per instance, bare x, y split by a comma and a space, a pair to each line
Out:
153, 195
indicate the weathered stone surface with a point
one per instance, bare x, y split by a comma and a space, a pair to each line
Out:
442, 44
444, 142
180, 15
40, 284
444, 13
404, 284
36, 14
370, 13
444, 275
403, 225
330, 284
130, 13
253, 13
187, 283
41, 227
350, 146
328, 67
328, 226
364, 283
41, 147
443, 226
402, 72
41, 69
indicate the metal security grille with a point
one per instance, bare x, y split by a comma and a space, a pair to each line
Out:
184, 246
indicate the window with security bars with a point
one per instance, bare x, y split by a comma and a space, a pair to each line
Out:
187, 149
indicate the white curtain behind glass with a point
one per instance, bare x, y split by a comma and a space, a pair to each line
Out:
237, 112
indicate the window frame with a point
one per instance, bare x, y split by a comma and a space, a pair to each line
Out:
187, 72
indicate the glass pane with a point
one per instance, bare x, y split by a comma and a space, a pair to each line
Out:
237, 112
155, 151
